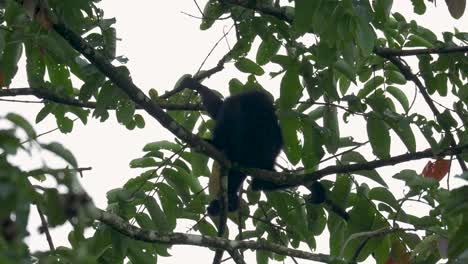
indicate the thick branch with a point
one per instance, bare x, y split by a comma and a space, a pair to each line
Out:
385, 52
151, 236
45, 94
293, 180
406, 71
279, 13
136, 95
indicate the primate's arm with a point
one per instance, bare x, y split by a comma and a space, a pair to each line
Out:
210, 100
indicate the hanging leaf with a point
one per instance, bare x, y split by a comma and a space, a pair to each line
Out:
456, 7
436, 170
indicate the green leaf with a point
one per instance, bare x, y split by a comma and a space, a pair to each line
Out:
140, 253
59, 150
418, 41
125, 111
163, 144
441, 84
290, 89
400, 96
303, 15
143, 163
358, 158
53, 208
139, 121
289, 127
248, 66
212, 11
157, 214
370, 86
235, 86
177, 180
415, 181
64, 123
108, 97
384, 195
365, 37
144, 221
383, 9
90, 86
446, 120
45, 111
394, 77
312, 151
35, 66
10, 57
23, 123
346, 69
110, 37
330, 122
402, 128
419, 7
262, 256
379, 136
170, 203
267, 49
328, 83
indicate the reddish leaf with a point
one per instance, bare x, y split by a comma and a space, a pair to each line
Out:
436, 170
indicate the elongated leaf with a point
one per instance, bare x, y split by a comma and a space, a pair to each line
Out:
379, 136
400, 96
157, 214
330, 122
267, 49
292, 148
346, 69
291, 89
370, 86
303, 18
23, 123
248, 66
59, 150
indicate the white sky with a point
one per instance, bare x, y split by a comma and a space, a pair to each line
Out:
162, 44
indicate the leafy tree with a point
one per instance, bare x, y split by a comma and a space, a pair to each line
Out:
337, 62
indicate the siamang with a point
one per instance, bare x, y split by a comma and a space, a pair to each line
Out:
248, 133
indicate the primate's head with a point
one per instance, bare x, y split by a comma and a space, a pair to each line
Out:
256, 101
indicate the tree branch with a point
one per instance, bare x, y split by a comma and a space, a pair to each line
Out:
175, 238
47, 95
125, 83
293, 180
279, 13
45, 229
385, 52
406, 71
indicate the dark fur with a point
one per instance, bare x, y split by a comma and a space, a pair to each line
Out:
247, 131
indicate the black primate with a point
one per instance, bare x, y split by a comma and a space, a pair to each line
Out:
247, 131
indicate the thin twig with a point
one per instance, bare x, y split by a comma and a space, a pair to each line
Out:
45, 228
406, 71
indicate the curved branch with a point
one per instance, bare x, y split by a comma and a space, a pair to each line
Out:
175, 238
125, 83
278, 12
293, 180
385, 52
47, 95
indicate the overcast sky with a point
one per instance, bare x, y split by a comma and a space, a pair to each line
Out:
161, 44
